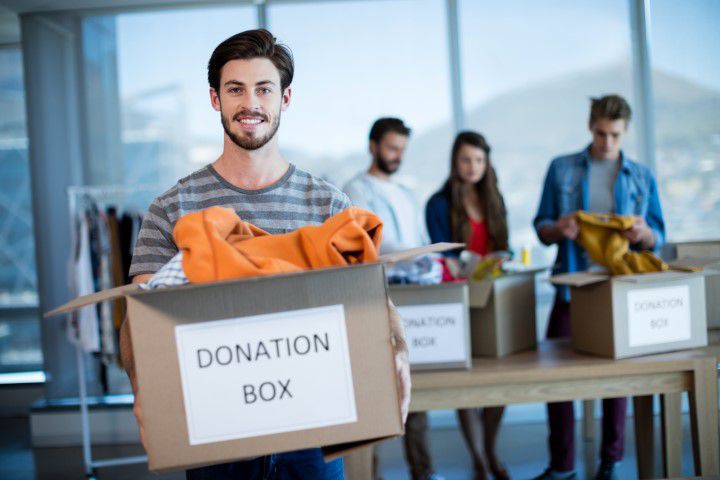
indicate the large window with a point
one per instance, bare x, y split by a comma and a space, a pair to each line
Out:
527, 83
686, 84
19, 327
358, 61
169, 128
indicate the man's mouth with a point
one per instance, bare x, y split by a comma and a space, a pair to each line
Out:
249, 122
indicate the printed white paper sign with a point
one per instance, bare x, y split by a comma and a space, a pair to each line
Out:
658, 315
264, 374
435, 333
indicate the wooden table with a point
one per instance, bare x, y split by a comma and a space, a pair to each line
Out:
556, 373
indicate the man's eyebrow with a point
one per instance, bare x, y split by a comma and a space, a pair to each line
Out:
237, 82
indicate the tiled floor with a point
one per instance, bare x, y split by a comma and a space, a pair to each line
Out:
521, 445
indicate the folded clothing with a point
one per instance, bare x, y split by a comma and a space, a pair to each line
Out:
601, 236
426, 270
217, 245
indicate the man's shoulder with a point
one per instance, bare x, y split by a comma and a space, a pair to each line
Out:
567, 160
356, 182
202, 176
310, 183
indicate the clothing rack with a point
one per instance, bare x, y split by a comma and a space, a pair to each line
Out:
138, 197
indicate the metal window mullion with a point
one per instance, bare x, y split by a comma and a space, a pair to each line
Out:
642, 80
458, 113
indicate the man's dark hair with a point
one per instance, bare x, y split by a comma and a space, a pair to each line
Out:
613, 107
246, 46
388, 124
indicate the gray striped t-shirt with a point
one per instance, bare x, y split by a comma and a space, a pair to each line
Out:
296, 200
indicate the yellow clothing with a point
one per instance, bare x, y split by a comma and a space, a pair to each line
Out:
600, 235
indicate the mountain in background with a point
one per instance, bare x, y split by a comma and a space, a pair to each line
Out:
527, 127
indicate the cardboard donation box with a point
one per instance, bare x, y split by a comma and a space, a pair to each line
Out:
437, 328
710, 268
247, 367
629, 315
704, 249
502, 313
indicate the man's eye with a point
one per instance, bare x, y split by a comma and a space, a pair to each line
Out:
264, 91
234, 90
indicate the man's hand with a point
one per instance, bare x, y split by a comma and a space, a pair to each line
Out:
640, 234
402, 365
567, 226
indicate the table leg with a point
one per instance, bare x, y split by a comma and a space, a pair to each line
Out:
359, 464
704, 418
671, 421
589, 420
644, 441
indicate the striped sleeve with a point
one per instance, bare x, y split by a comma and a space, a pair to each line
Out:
155, 246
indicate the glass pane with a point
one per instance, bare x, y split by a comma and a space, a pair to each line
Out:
20, 340
169, 128
527, 83
356, 62
17, 254
686, 85
19, 322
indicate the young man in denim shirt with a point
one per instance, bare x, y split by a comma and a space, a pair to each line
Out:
599, 179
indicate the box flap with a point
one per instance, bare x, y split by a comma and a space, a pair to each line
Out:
578, 279
340, 450
654, 277
479, 292
97, 297
418, 252
707, 263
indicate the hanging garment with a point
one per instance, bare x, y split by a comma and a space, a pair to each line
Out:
218, 245
116, 265
600, 235
125, 232
82, 327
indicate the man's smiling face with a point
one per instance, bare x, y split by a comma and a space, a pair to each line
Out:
250, 100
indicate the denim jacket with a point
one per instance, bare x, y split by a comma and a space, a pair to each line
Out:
566, 190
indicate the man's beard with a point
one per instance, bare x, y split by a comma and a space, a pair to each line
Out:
386, 166
251, 143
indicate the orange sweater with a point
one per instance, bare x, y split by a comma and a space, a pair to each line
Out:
217, 245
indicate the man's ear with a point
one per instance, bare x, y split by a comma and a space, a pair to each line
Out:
287, 94
215, 99
373, 147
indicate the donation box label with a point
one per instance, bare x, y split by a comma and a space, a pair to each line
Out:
265, 374
435, 333
658, 315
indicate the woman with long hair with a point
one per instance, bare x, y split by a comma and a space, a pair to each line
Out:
470, 209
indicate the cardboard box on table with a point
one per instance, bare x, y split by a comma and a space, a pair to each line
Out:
502, 313
630, 315
711, 271
437, 324
247, 367
700, 249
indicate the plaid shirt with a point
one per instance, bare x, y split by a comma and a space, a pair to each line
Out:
171, 274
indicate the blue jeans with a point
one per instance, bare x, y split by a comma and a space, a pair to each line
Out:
298, 465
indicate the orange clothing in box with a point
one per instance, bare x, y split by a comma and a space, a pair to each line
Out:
217, 245
601, 235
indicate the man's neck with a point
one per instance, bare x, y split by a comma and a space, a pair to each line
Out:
594, 154
377, 173
251, 169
